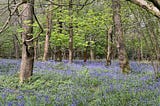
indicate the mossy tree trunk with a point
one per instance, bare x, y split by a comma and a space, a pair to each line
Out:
26, 68
122, 55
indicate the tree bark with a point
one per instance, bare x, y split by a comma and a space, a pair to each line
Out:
16, 47
58, 54
85, 54
122, 55
48, 33
70, 32
26, 68
91, 49
109, 46
92, 54
36, 50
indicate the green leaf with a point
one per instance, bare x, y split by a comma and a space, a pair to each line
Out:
20, 30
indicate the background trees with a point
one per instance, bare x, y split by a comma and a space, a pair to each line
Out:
85, 24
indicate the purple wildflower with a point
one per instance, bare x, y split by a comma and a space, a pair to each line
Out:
10, 104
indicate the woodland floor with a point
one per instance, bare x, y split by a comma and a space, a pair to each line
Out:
79, 84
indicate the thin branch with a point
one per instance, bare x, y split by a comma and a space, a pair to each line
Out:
5, 26
41, 29
9, 9
85, 4
17, 39
156, 3
3, 7
72, 3
4, 11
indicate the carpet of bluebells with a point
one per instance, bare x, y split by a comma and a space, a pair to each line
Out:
79, 84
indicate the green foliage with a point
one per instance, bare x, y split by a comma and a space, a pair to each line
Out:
20, 30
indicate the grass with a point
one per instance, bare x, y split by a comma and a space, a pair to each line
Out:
92, 84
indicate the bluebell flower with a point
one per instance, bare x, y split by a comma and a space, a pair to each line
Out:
21, 103
47, 100
3, 95
20, 97
10, 104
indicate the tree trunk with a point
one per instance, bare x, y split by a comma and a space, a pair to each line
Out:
16, 47
26, 68
91, 49
58, 54
109, 46
141, 50
85, 54
70, 32
92, 54
122, 55
48, 33
36, 52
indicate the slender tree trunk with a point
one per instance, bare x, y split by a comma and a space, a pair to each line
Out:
92, 54
109, 46
122, 55
58, 48
60, 31
70, 32
85, 54
141, 49
26, 69
16, 47
91, 49
48, 33
0, 51
58, 54
36, 50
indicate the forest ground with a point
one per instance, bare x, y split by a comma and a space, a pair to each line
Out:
79, 84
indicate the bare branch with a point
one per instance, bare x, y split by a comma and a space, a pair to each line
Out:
156, 3
85, 3
4, 27
148, 6
4, 10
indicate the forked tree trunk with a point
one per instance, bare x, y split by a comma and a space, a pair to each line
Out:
26, 68
109, 46
122, 55
48, 33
